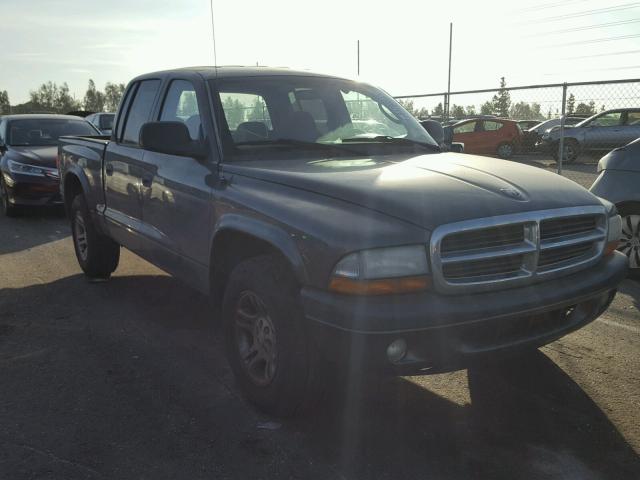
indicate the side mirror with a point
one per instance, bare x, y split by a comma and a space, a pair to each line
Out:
171, 138
457, 147
434, 129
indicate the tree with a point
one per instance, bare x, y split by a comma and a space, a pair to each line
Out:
93, 99
438, 111
526, 111
584, 109
571, 104
422, 113
486, 108
502, 100
53, 98
5, 106
112, 95
457, 111
408, 106
471, 109
233, 111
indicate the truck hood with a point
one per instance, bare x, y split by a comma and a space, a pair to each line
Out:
40, 156
426, 190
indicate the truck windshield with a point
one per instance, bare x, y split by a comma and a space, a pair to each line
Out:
304, 113
44, 132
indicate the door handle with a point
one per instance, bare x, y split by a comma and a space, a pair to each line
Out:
109, 169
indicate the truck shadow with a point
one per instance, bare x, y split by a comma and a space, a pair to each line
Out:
526, 420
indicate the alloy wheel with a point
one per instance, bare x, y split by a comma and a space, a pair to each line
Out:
630, 241
255, 338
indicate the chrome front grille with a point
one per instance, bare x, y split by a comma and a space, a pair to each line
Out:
507, 250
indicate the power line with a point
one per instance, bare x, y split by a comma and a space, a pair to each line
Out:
586, 27
545, 6
585, 13
595, 40
626, 52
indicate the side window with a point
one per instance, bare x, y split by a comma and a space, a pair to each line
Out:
247, 115
607, 120
466, 128
307, 100
181, 105
140, 110
492, 126
633, 118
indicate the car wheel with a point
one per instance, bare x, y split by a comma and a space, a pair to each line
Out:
571, 150
630, 241
505, 150
265, 336
97, 254
7, 209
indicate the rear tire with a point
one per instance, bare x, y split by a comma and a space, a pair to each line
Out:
571, 150
97, 254
505, 151
274, 362
8, 210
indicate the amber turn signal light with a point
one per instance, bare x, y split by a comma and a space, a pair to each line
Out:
384, 286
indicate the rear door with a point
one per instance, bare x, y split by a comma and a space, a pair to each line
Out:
492, 135
605, 131
123, 167
466, 133
177, 203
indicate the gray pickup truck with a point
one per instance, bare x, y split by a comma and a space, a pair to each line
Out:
326, 244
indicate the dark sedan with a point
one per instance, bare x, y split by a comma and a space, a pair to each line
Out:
28, 150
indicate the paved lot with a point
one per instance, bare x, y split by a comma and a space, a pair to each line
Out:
126, 379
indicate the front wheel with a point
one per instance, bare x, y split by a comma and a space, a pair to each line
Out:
265, 336
570, 148
630, 241
8, 209
97, 254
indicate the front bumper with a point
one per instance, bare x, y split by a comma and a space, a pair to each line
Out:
445, 332
29, 190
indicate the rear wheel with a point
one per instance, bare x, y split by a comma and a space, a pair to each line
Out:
8, 209
505, 150
571, 150
630, 241
97, 254
265, 336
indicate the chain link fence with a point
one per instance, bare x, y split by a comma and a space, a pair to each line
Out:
583, 120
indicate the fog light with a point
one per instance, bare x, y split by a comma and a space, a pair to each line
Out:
397, 350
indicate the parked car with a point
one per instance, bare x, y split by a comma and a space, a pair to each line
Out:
28, 150
619, 183
496, 136
532, 136
102, 121
527, 124
601, 132
325, 246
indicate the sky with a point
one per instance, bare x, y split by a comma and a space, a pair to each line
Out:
404, 44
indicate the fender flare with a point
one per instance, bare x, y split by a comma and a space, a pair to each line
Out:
277, 237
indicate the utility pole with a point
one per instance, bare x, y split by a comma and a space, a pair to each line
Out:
448, 99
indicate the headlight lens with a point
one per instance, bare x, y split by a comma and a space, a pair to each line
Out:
36, 171
382, 271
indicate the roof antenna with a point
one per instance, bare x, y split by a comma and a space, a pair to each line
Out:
213, 36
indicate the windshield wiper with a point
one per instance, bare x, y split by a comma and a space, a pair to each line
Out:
299, 143
392, 140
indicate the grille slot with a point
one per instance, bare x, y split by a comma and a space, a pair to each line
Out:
555, 256
512, 249
503, 235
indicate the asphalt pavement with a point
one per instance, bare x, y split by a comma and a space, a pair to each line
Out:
127, 380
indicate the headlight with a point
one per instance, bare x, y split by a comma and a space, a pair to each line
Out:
36, 171
382, 271
614, 234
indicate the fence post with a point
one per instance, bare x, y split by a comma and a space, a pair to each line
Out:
562, 118
445, 110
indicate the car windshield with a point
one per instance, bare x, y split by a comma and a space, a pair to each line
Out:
314, 114
45, 131
106, 121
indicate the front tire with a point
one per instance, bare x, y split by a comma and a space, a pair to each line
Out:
97, 254
8, 210
571, 150
265, 336
630, 241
